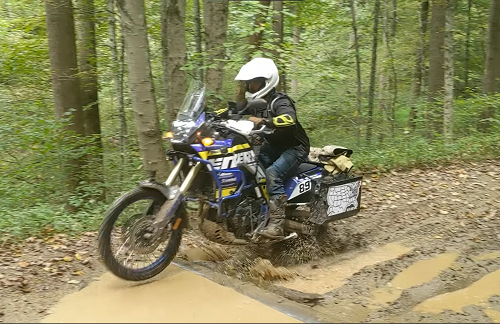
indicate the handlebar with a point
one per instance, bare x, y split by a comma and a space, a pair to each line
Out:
264, 130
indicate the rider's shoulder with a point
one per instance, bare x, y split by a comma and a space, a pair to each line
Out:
279, 97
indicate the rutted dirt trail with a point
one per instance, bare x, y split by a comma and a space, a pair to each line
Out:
425, 248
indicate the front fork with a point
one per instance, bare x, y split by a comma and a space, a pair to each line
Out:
176, 196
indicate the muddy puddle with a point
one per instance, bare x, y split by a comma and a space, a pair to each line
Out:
176, 296
333, 273
487, 256
417, 274
477, 293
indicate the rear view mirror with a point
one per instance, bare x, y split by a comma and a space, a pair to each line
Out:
232, 107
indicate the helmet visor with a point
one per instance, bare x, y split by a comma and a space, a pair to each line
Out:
255, 85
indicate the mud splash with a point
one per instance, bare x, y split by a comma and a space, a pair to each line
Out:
324, 279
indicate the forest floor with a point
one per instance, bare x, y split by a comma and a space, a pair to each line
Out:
424, 248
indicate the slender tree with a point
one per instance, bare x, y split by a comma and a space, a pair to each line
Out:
65, 81
141, 86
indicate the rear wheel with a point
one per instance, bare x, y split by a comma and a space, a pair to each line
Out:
139, 256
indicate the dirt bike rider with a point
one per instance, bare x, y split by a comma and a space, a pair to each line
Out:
286, 148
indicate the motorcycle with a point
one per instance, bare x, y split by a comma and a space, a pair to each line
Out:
217, 169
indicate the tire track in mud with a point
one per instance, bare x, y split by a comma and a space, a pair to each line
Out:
443, 228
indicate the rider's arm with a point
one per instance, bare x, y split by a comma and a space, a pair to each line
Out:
284, 115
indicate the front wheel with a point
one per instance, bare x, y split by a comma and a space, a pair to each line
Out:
133, 236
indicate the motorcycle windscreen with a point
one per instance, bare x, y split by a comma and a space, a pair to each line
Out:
190, 115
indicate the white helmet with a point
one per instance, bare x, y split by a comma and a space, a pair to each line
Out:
259, 68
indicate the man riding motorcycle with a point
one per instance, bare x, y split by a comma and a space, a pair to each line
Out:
286, 148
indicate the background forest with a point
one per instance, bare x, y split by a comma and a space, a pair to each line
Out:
87, 88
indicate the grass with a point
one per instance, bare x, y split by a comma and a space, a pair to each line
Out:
418, 152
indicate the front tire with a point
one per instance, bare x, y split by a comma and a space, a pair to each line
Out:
167, 255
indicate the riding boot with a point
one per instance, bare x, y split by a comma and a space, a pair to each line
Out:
274, 228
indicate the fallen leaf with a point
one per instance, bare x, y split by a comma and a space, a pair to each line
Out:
7, 283
23, 264
68, 258
438, 236
25, 289
78, 273
78, 257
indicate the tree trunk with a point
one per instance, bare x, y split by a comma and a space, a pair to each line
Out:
295, 63
393, 77
383, 89
255, 40
174, 55
467, 46
418, 86
358, 71
394, 17
141, 87
215, 16
492, 63
65, 81
373, 71
436, 64
87, 61
197, 37
118, 67
449, 72
278, 43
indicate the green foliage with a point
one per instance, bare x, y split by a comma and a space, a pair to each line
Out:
413, 151
28, 221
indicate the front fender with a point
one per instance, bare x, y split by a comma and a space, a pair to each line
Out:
165, 190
